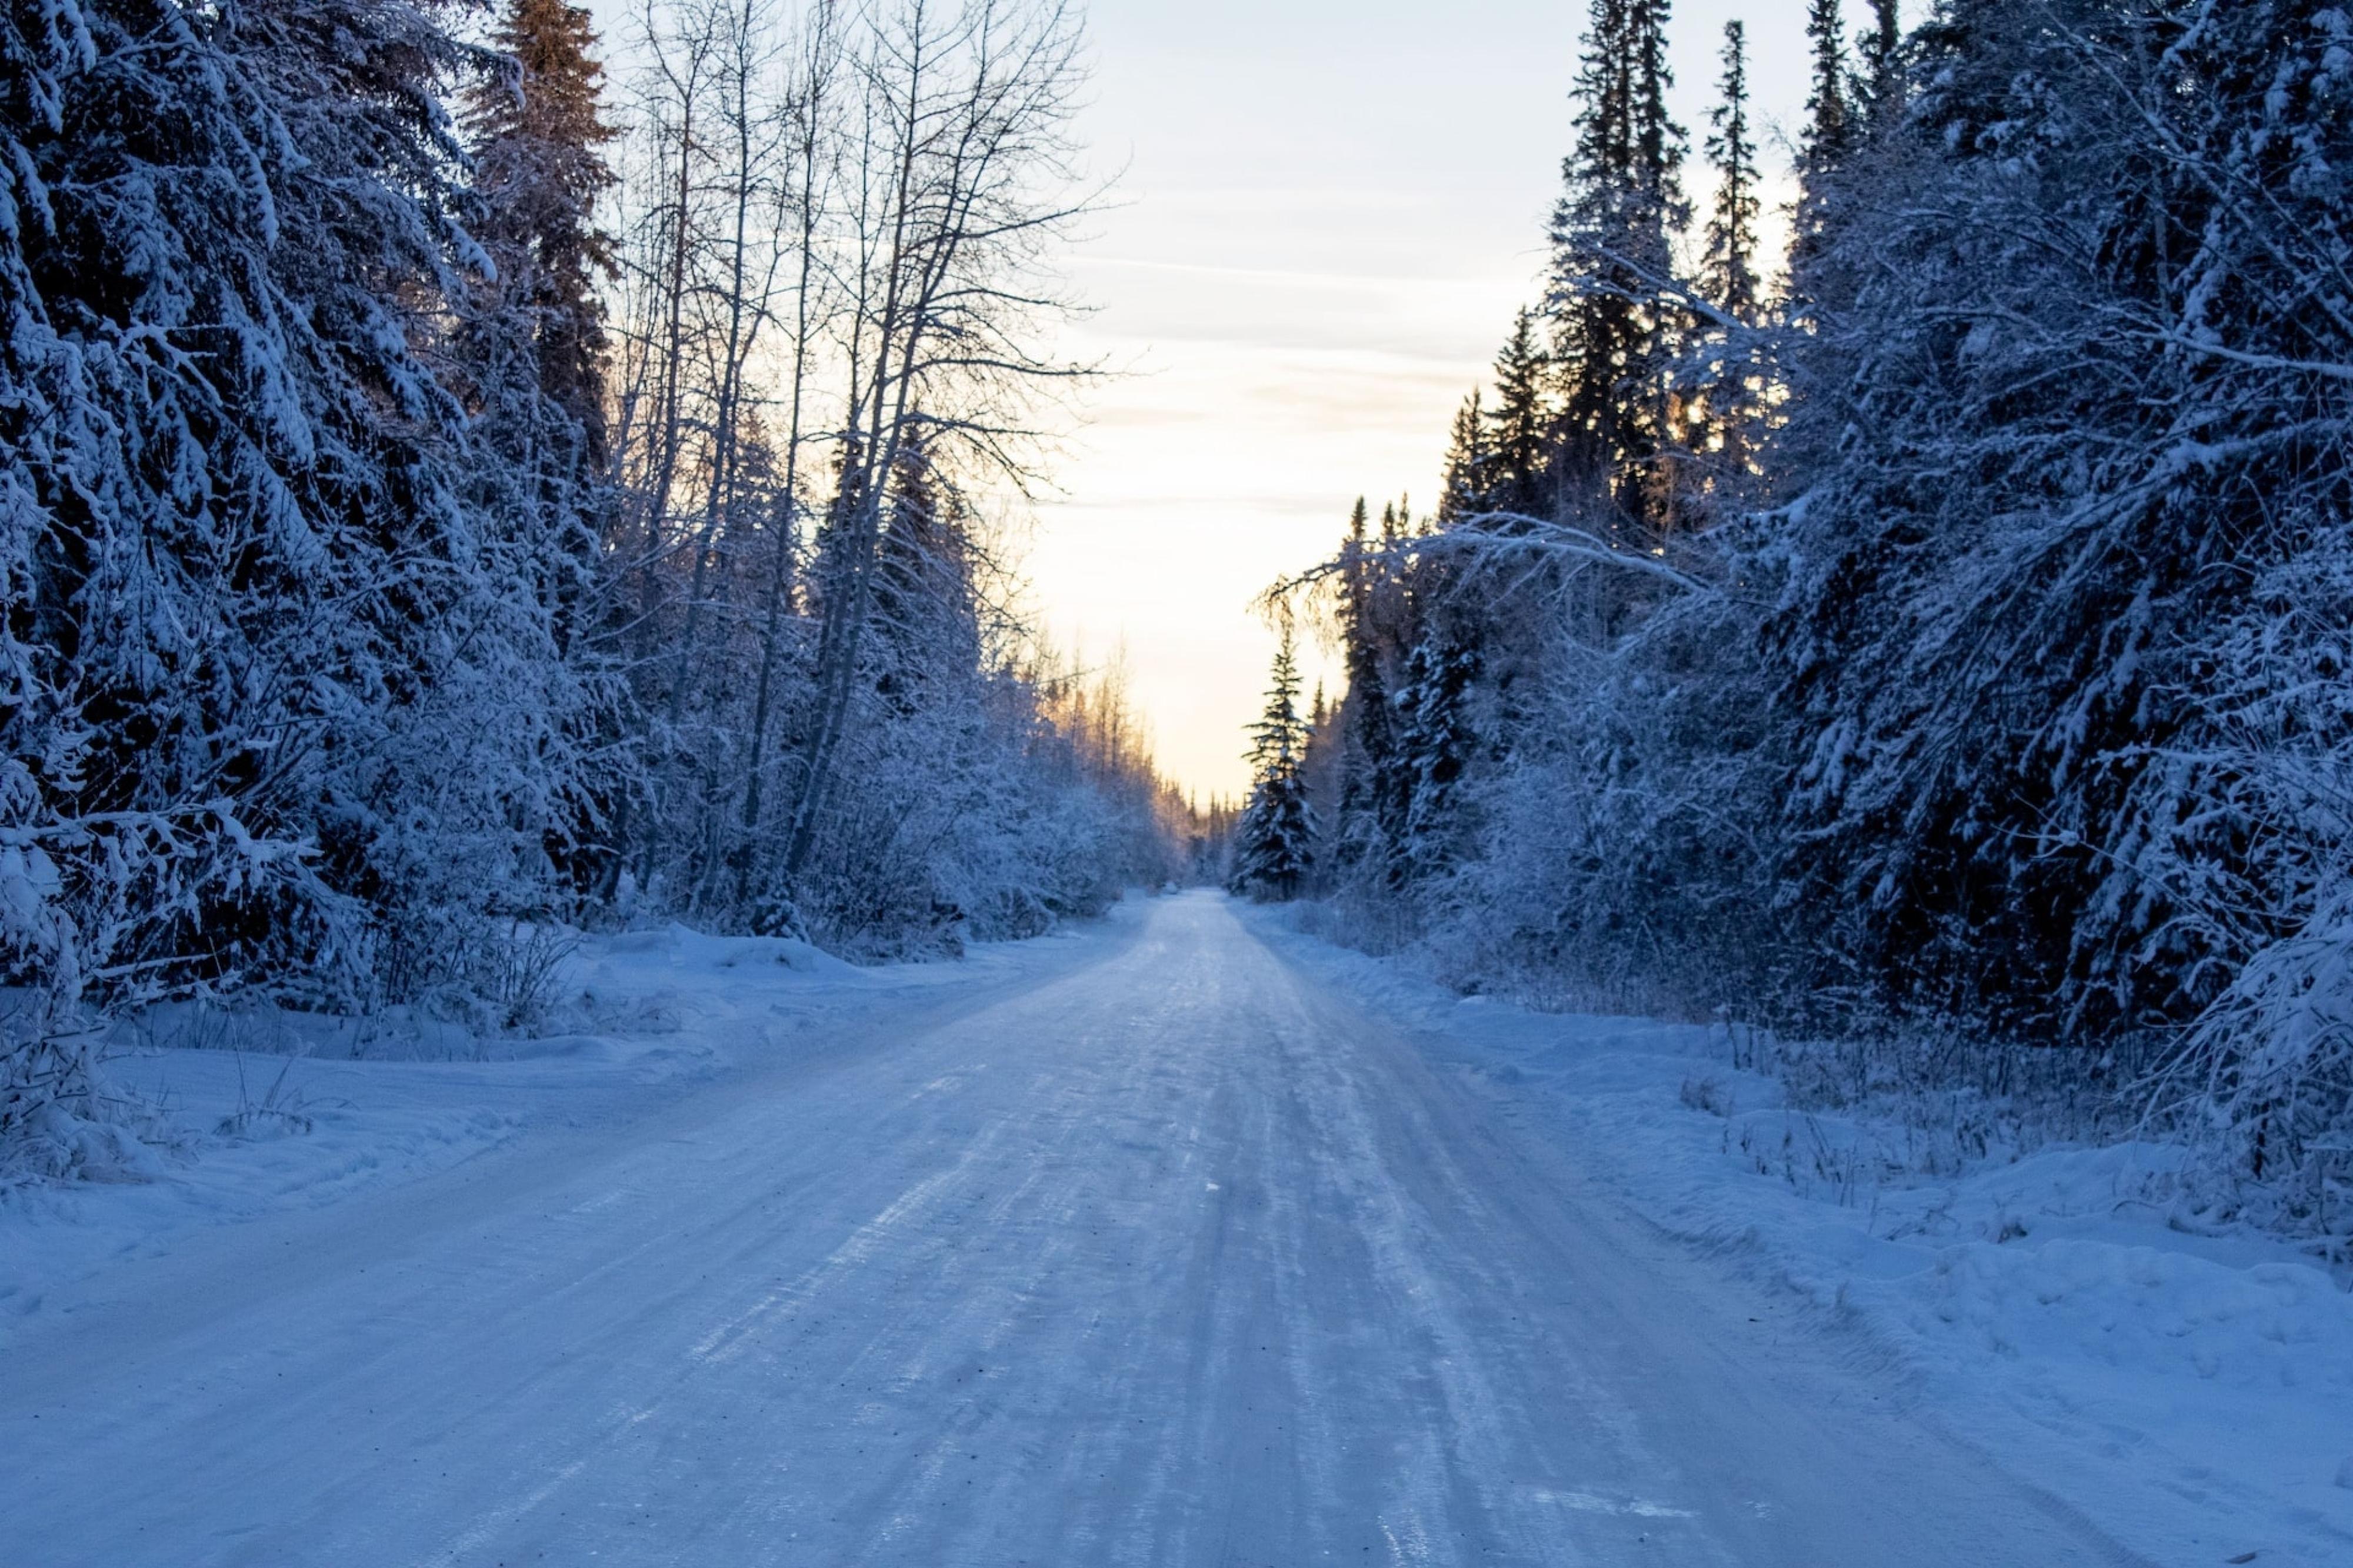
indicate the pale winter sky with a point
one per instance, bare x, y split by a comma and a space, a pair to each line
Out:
1331, 209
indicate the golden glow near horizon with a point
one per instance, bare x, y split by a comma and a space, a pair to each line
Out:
1328, 215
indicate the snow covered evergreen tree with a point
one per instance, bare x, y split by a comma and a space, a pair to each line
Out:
2243, 824
1437, 744
1467, 479
1274, 843
1520, 429
1368, 826
1731, 383
1879, 87
128, 135
533, 348
1616, 312
1830, 130
2082, 631
1727, 268
1824, 144
539, 172
253, 605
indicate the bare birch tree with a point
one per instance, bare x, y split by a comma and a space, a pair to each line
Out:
961, 175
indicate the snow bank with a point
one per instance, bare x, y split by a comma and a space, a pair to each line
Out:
2191, 1392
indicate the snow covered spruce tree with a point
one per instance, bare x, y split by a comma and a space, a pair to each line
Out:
1437, 743
1614, 307
455, 766
533, 334
275, 700
2258, 322
1373, 790
1730, 386
1410, 642
1274, 843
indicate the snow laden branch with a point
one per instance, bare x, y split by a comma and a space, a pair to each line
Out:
1520, 550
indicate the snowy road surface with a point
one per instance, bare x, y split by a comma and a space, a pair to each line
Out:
1173, 1258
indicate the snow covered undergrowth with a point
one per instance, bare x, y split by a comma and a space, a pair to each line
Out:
2190, 1393
242, 1115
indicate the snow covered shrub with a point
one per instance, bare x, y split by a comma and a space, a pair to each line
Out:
1006, 804
92, 912
2269, 1066
1626, 841
2267, 1071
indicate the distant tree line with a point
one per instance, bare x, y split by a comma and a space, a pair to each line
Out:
1942, 627
440, 496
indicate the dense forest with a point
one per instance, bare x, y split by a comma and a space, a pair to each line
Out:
1937, 633
447, 497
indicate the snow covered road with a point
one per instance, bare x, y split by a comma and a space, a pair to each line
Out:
1175, 1258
